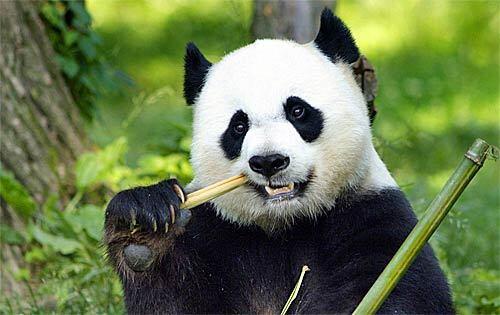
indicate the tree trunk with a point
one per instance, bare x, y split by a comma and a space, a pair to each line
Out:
40, 125
288, 19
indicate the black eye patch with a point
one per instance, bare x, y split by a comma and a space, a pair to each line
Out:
232, 139
307, 120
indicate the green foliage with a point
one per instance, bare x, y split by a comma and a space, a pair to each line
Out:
107, 167
77, 48
10, 235
479, 291
16, 195
93, 168
64, 248
67, 271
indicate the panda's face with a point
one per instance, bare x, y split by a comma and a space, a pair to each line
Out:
294, 122
288, 118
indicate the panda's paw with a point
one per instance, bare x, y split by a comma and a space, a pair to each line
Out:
150, 209
141, 223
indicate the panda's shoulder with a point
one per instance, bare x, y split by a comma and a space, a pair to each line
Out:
374, 205
383, 215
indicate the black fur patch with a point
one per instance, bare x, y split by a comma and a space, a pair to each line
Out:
335, 40
231, 141
310, 125
219, 267
196, 67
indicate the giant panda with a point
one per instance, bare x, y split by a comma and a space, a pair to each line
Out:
293, 120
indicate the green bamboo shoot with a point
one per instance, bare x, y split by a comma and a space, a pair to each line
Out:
435, 213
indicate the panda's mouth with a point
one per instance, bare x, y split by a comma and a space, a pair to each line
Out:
272, 192
280, 190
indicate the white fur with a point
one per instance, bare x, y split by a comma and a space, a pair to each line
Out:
257, 79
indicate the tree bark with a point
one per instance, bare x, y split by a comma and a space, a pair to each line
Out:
41, 131
288, 19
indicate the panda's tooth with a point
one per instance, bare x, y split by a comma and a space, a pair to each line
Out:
280, 190
269, 190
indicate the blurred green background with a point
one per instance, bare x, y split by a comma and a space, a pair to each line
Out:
438, 65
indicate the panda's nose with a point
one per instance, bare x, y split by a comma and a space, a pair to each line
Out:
268, 165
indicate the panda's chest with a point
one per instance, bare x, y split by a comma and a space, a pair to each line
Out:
263, 272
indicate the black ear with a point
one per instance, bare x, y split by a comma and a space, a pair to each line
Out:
335, 40
196, 67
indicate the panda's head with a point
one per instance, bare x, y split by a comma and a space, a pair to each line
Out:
289, 116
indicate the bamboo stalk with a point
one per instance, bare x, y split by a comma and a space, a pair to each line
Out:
213, 191
437, 210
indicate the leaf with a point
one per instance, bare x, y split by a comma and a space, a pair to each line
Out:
22, 274
70, 37
94, 167
68, 65
73, 220
91, 219
88, 82
96, 39
92, 274
165, 166
16, 195
35, 255
185, 143
10, 236
88, 170
52, 15
81, 18
55, 219
87, 47
58, 243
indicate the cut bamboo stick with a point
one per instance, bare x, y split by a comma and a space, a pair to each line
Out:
215, 190
214, 185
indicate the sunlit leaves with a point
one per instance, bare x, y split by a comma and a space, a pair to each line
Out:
58, 243
94, 167
16, 195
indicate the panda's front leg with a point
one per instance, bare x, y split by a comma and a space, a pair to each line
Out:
141, 228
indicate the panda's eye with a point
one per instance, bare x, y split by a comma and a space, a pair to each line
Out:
239, 128
298, 111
